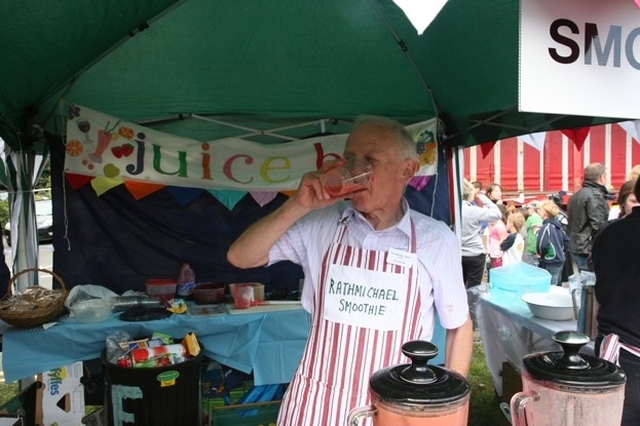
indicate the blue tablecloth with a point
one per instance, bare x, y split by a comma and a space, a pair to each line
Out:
270, 344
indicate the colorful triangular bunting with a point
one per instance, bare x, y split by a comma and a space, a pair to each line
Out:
535, 140
102, 184
228, 198
140, 190
632, 128
76, 181
184, 195
263, 197
577, 135
419, 182
486, 148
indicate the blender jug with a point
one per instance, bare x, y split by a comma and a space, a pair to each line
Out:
568, 388
416, 394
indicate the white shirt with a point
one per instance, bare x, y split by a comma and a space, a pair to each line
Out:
437, 249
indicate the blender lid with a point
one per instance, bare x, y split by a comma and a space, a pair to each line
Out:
419, 383
569, 367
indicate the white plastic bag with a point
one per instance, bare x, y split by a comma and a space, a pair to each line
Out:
83, 292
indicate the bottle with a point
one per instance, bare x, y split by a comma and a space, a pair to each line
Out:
186, 282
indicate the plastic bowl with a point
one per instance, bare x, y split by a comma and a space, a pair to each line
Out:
162, 288
208, 293
553, 305
95, 310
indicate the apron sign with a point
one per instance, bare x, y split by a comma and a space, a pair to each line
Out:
365, 298
99, 145
580, 57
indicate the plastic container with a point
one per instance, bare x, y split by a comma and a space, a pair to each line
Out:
186, 282
161, 288
242, 295
94, 310
518, 279
208, 293
161, 396
258, 293
123, 303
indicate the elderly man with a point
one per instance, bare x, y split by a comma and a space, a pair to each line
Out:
587, 210
370, 244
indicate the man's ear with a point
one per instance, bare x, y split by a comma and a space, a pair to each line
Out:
411, 167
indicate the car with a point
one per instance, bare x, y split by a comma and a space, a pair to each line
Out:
44, 221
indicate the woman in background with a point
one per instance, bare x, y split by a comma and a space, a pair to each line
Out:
496, 233
494, 193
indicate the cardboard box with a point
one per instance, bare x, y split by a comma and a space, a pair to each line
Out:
60, 398
511, 382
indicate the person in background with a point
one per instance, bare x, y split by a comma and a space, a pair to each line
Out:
513, 246
494, 192
615, 263
626, 200
496, 233
472, 216
634, 173
550, 241
477, 189
588, 209
532, 224
567, 268
370, 239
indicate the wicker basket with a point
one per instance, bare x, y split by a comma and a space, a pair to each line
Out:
37, 316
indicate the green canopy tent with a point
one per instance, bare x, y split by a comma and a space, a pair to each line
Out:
207, 69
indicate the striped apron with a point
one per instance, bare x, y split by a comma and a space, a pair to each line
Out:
368, 307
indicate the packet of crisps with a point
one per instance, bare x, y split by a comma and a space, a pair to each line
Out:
177, 306
191, 345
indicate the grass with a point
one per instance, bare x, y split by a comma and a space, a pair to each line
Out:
8, 391
484, 406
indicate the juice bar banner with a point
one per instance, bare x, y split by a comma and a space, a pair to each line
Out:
108, 152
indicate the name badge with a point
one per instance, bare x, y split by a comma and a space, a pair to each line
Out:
401, 258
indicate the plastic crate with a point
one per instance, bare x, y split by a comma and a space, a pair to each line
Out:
255, 414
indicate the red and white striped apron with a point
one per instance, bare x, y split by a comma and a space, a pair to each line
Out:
339, 358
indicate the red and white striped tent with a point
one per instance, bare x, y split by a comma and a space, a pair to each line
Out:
559, 164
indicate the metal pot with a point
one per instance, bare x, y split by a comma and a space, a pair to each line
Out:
587, 309
568, 388
416, 394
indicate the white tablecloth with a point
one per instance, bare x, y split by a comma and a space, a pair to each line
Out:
509, 331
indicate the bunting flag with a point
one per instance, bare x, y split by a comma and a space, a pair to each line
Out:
263, 197
419, 182
535, 140
78, 181
108, 152
421, 13
102, 184
139, 190
228, 198
632, 128
577, 135
184, 195
486, 148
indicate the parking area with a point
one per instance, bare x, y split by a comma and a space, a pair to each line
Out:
45, 260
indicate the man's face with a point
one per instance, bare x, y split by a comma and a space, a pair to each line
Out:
376, 144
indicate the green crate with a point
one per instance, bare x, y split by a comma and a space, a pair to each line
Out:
255, 414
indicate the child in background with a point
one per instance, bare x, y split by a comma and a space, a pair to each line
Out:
551, 241
496, 233
513, 246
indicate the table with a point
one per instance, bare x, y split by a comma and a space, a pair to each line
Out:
510, 332
268, 343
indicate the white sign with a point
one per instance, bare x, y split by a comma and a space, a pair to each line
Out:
99, 145
580, 57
